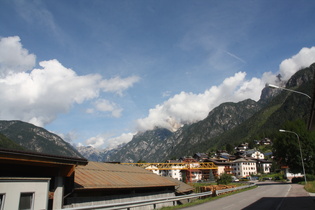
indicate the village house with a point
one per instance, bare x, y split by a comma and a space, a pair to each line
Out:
175, 170
242, 147
200, 157
224, 166
254, 154
264, 166
244, 167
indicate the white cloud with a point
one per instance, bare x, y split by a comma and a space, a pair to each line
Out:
108, 106
116, 141
110, 142
13, 57
188, 107
303, 59
39, 95
96, 142
118, 85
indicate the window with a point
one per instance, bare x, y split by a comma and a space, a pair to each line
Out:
1, 201
26, 201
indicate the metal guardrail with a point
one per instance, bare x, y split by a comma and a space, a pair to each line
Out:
218, 192
154, 202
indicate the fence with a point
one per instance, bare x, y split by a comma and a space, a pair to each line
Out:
154, 202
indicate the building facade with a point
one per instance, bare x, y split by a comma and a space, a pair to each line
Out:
244, 167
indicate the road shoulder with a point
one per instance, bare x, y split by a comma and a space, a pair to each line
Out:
298, 198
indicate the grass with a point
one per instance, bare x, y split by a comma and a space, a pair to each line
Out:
310, 187
200, 201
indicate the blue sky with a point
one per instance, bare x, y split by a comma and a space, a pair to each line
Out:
96, 72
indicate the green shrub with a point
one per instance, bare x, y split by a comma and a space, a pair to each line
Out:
310, 177
225, 179
297, 179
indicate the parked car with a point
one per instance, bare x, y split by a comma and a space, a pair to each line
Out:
234, 179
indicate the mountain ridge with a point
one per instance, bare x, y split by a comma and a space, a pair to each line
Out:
36, 139
220, 127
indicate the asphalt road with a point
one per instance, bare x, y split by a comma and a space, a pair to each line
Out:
268, 195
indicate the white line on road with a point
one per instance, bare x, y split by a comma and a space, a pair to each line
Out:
280, 204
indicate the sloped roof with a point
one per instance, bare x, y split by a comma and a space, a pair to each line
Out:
243, 160
25, 164
219, 163
36, 157
181, 187
97, 175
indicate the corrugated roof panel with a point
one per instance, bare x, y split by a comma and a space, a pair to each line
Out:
96, 175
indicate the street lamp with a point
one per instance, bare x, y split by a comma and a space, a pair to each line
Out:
282, 88
285, 131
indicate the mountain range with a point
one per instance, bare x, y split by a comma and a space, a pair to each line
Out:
229, 123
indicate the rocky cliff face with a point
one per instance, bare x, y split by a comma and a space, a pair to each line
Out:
143, 146
159, 144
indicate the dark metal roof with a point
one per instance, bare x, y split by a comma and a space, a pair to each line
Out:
97, 175
18, 155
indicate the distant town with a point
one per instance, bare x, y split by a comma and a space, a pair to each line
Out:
245, 163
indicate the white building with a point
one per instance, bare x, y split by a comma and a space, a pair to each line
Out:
175, 172
244, 167
264, 166
154, 169
24, 193
255, 154
195, 175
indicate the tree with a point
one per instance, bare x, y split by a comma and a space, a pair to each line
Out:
225, 179
286, 148
229, 148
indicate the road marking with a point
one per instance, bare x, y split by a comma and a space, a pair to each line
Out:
280, 204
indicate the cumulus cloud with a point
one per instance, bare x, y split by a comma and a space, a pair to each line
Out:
303, 59
13, 57
108, 106
116, 141
118, 85
39, 95
110, 142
